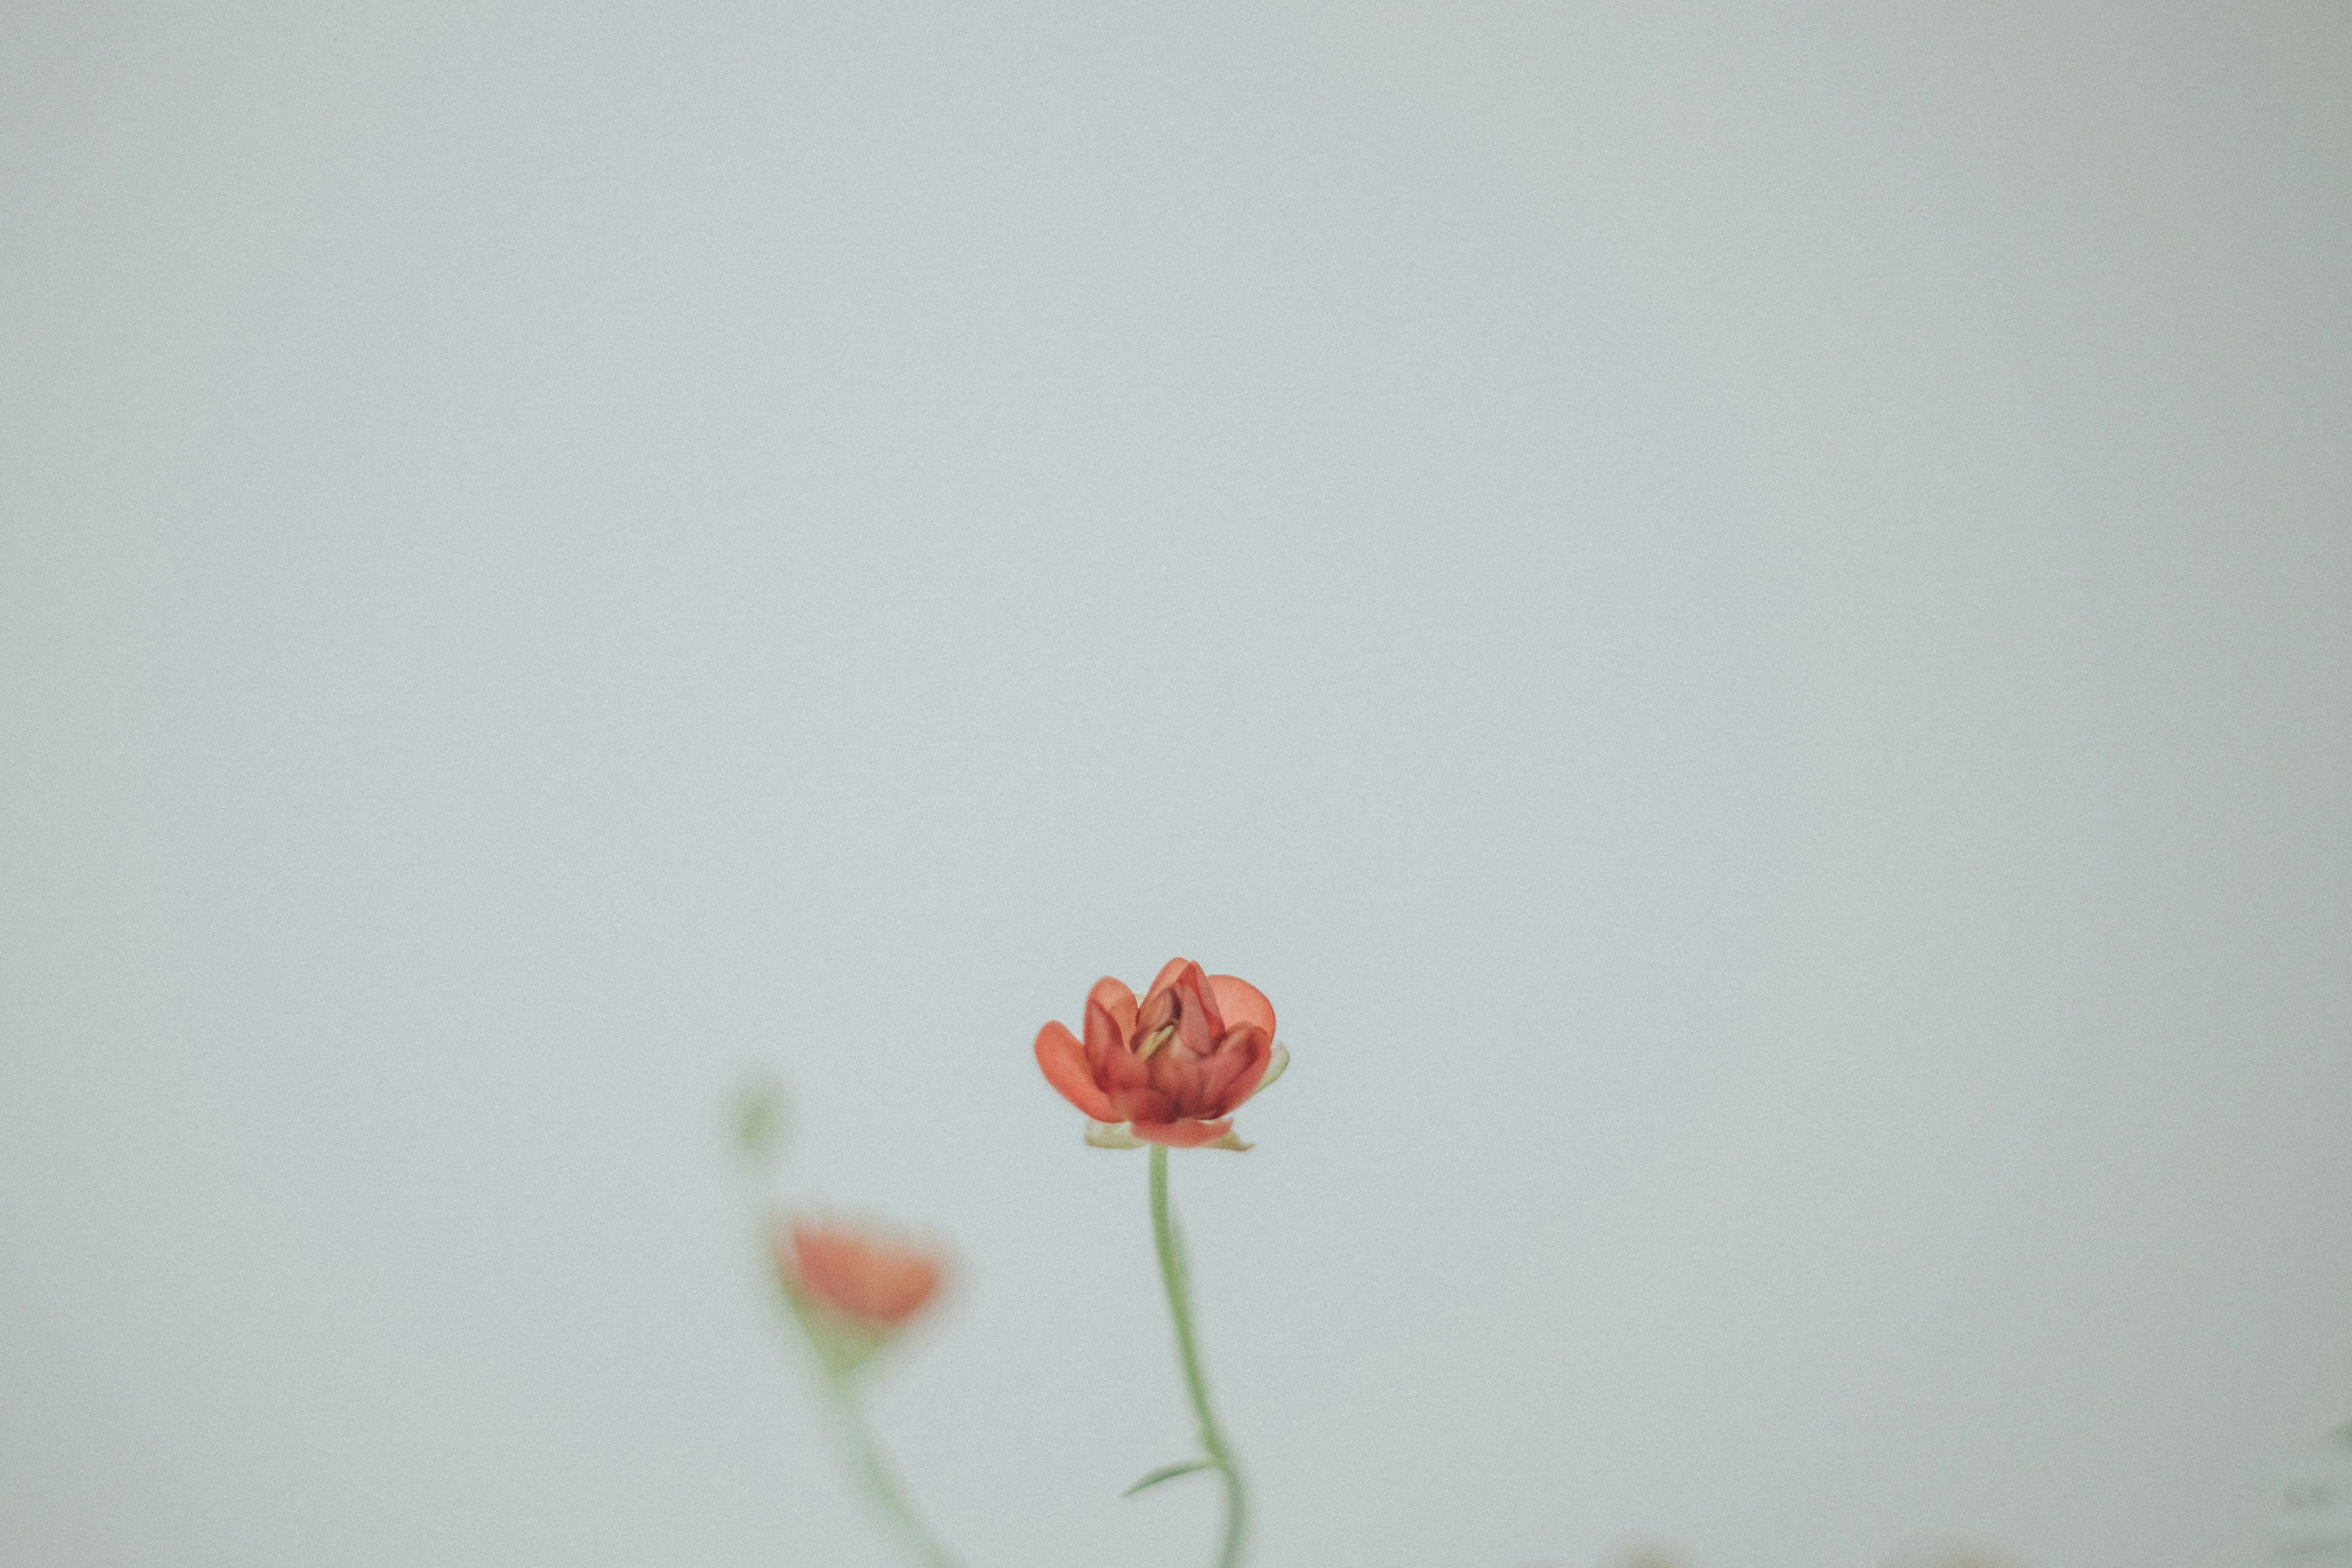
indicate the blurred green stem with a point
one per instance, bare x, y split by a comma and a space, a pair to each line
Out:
871, 1468
1176, 1278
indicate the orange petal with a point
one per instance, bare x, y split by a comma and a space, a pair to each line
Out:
1064, 1062
1278, 1064
1183, 1134
1138, 1104
1197, 1022
1232, 1075
865, 1274
1104, 1037
1239, 1002
1177, 1073
1114, 1066
1167, 976
1119, 1003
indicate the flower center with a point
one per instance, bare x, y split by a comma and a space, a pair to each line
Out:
1151, 1043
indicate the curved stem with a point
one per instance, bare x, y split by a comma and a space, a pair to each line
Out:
878, 1480
1176, 1278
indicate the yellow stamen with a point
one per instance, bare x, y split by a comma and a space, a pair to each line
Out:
1153, 1041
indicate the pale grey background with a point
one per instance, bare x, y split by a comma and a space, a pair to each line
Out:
1740, 613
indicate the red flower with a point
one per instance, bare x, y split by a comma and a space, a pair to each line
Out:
874, 1281
1174, 1068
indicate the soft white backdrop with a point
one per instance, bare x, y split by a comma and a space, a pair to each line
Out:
1743, 613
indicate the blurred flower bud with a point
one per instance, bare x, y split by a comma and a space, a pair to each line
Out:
763, 1118
853, 1287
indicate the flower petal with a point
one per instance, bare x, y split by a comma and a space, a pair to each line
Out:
1239, 1002
1198, 1023
1177, 1073
1183, 1134
1111, 1135
1064, 1062
1232, 1075
1104, 1037
872, 1278
1140, 1105
1119, 1003
1110, 1058
1166, 977
1278, 1064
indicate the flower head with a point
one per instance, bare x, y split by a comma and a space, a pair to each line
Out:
863, 1279
1173, 1066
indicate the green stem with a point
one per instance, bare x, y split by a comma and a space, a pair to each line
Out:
872, 1470
1176, 1278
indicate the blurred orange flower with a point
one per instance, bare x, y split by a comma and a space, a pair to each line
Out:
1174, 1066
874, 1281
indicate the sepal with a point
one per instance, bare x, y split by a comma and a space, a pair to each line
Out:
843, 1346
1111, 1135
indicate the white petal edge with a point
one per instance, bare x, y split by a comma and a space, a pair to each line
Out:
1276, 1064
1109, 1135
